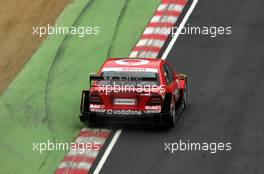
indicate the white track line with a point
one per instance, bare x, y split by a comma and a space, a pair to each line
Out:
107, 151
164, 56
175, 37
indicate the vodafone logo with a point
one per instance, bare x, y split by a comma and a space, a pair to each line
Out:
131, 62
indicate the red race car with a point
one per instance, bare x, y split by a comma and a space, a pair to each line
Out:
135, 90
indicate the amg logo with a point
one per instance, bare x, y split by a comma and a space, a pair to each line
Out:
125, 102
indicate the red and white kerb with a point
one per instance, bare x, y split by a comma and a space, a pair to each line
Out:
158, 29
79, 161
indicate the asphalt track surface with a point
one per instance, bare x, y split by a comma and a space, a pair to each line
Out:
226, 90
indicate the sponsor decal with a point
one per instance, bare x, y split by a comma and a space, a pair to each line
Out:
130, 69
97, 108
152, 109
94, 106
124, 112
131, 62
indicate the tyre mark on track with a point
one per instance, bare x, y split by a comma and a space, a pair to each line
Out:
59, 51
119, 20
57, 55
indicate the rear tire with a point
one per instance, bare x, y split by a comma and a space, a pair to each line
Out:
172, 116
185, 97
92, 120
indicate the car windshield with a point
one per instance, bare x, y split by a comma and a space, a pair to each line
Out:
129, 78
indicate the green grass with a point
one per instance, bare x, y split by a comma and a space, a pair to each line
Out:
42, 103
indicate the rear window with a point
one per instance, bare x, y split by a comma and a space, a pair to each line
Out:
129, 78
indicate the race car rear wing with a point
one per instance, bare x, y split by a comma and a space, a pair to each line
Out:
114, 79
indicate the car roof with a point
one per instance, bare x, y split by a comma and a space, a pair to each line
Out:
133, 62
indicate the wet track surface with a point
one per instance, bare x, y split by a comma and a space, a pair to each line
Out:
226, 90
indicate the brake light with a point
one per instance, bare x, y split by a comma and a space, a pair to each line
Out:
155, 100
95, 98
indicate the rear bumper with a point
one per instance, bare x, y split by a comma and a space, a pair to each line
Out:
153, 119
